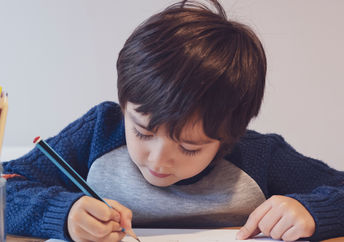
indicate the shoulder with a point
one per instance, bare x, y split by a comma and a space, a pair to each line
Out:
104, 116
108, 119
98, 131
252, 135
105, 110
109, 106
252, 145
108, 130
260, 144
253, 154
253, 142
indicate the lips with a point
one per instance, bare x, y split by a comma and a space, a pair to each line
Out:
160, 175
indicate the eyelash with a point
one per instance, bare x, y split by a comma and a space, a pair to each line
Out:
147, 137
189, 152
141, 136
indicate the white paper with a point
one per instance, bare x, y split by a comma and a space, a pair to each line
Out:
187, 235
190, 235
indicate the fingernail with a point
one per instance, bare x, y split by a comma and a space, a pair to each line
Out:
241, 234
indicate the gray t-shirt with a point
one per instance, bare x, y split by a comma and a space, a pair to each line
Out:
224, 197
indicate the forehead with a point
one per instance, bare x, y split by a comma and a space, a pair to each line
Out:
192, 130
136, 116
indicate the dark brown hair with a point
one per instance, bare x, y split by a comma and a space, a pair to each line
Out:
188, 61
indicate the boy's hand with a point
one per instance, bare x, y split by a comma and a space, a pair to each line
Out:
279, 217
92, 220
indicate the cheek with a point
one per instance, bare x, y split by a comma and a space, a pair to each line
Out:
199, 163
136, 148
196, 166
191, 166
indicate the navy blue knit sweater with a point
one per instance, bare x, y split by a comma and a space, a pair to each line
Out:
38, 202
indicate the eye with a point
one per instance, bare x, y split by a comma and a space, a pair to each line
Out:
189, 152
139, 135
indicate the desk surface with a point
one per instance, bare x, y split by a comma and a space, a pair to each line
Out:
12, 238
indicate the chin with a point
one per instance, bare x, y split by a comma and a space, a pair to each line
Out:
160, 185
158, 182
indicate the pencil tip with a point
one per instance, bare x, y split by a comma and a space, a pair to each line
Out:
132, 234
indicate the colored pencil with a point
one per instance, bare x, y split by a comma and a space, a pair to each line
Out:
72, 174
3, 114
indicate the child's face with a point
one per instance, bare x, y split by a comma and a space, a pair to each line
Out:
161, 160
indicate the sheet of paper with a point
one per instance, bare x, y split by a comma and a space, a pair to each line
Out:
187, 235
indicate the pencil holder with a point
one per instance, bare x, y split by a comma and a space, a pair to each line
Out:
2, 208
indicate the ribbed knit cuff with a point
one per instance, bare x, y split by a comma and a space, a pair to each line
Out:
55, 218
327, 211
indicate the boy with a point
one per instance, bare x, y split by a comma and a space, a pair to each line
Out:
176, 152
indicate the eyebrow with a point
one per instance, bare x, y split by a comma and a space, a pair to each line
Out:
192, 142
136, 121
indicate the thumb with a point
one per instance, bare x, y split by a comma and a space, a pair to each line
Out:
126, 214
126, 222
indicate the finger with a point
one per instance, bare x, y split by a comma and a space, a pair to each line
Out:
283, 225
291, 234
125, 213
98, 228
83, 235
269, 220
115, 236
99, 209
254, 233
88, 237
251, 226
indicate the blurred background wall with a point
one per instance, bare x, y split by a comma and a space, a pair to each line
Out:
57, 60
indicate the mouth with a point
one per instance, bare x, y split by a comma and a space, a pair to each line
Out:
159, 175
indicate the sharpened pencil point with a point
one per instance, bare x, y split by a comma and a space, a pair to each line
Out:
132, 234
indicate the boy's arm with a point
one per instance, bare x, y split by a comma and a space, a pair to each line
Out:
39, 200
319, 188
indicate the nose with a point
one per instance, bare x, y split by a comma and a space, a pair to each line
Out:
161, 155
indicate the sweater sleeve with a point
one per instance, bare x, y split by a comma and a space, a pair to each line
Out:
313, 183
39, 200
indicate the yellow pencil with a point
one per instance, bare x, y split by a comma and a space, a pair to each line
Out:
3, 114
